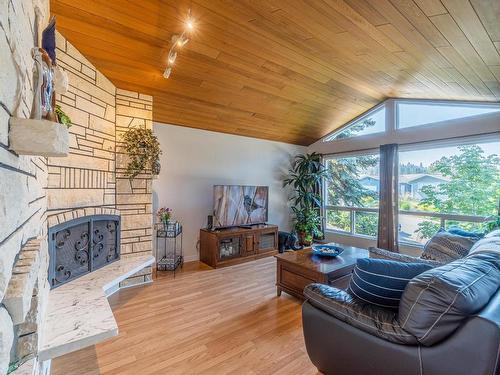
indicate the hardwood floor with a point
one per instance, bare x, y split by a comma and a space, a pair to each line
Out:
223, 321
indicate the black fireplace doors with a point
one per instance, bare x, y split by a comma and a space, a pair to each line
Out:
82, 245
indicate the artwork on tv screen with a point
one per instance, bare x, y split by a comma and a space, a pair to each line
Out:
240, 205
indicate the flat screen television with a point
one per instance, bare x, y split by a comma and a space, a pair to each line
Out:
236, 205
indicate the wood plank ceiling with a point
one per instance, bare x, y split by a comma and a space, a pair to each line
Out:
289, 70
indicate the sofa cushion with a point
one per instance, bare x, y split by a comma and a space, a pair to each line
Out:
495, 233
437, 301
486, 245
446, 247
343, 306
382, 282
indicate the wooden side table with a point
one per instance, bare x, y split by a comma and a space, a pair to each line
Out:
296, 269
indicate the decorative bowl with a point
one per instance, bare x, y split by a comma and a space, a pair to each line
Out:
327, 250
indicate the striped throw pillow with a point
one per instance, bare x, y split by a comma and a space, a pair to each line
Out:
382, 282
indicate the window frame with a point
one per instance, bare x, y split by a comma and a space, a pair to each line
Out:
484, 125
331, 137
451, 103
443, 217
467, 130
351, 209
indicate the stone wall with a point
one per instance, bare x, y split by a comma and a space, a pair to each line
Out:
36, 190
133, 197
94, 173
22, 188
87, 177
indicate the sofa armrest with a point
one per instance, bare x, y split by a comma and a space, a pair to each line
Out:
364, 316
378, 253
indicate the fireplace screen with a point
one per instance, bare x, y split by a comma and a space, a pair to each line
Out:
82, 245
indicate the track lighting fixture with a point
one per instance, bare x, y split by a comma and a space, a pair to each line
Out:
172, 55
178, 41
167, 72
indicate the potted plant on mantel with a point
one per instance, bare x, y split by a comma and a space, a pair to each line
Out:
305, 177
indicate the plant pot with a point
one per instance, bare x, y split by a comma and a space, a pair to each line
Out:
38, 137
303, 240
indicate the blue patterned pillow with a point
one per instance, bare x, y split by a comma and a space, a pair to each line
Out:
446, 247
382, 282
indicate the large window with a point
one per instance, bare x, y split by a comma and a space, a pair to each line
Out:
447, 187
352, 194
449, 173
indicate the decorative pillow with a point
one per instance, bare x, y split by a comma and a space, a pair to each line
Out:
446, 247
382, 282
464, 233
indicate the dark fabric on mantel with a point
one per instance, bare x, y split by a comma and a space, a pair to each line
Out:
388, 198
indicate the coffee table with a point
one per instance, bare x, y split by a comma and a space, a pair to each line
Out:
296, 269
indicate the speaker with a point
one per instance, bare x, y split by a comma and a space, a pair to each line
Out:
210, 222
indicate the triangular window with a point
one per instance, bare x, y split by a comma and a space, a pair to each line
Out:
372, 122
416, 114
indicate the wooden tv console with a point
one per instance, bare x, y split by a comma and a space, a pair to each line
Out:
224, 247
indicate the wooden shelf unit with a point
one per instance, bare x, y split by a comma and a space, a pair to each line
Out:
223, 247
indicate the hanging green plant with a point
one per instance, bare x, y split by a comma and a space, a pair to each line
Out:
143, 148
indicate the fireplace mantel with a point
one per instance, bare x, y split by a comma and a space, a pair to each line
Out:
78, 313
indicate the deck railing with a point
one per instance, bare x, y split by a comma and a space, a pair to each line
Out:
443, 218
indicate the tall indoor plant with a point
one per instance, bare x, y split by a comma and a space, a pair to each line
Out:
305, 176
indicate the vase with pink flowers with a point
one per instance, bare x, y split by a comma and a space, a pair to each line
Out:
164, 215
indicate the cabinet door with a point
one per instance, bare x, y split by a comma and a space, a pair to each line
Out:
229, 247
267, 241
249, 244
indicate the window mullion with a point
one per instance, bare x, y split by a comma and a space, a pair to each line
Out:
353, 221
390, 118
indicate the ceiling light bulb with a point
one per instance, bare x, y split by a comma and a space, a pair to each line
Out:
167, 72
190, 24
172, 55
181, 41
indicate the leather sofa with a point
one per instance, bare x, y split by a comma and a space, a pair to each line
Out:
448, 322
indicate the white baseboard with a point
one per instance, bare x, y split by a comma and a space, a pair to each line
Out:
191, 258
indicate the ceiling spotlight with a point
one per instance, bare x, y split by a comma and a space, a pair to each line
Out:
190, 21
167, 72
178, 41
172, 55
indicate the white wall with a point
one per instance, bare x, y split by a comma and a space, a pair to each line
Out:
194, 160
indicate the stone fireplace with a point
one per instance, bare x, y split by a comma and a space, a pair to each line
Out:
82, 245
83, 202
